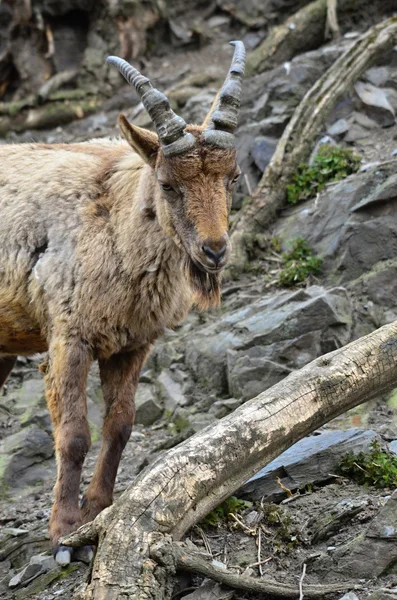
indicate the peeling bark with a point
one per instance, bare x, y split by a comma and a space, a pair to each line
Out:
305, 125
186, 483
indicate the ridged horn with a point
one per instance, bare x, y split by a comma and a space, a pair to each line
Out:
170, 128
223, 121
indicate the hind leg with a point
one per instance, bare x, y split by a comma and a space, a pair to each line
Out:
6, 366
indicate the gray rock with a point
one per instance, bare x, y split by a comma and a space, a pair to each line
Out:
221, 408
393, 446
378, 76
329, 521
210, 590
263, 150
310, 460
372, 554
197, 107
46, 562
21, 451
376, 104
349, 596
350, 243
363, 120
273, 323
170, 391
384, 594
148, 407
340, 127
391, 95
383, 192
29, 397
356, 132
27, 574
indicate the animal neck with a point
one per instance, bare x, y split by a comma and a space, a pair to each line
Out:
147, 241
144, 241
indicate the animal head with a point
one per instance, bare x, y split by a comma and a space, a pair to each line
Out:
195, 168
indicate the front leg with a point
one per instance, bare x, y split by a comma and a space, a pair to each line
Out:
67, 369
119, 378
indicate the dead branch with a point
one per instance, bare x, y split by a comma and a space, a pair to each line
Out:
187, 482
186, 560
305, 125
24, 114
302, 31
332, 25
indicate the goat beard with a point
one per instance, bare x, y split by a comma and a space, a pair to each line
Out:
206, 286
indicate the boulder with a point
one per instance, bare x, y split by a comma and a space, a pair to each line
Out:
148, 408
24, 455
263, 150
253, 347
170, 391
375, 103
311, 460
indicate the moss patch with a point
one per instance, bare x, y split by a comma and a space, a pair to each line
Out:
331, 163
221, 513
376, 467
298, 263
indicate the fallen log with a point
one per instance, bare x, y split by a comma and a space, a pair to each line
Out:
186, 483
23, 115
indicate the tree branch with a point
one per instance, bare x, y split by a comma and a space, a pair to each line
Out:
194, 563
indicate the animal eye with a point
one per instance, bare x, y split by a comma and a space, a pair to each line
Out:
166, 188
236, 178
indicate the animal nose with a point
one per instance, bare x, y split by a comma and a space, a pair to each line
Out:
215, 252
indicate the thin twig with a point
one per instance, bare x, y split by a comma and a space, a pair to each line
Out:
205, 541
248, 184
259, 541
243, 525
301, 582
262, 562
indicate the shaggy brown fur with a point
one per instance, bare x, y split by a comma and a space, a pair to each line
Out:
100, 250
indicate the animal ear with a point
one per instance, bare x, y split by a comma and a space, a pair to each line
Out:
144, 142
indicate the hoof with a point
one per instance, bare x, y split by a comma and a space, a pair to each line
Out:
85, 554
63, 555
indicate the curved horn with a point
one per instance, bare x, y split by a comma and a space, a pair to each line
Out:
170, 128
223, 120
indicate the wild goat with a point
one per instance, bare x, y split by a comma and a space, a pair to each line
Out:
101, 248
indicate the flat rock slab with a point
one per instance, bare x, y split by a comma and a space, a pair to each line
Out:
311, 460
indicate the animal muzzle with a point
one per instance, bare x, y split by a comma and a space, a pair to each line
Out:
213, 254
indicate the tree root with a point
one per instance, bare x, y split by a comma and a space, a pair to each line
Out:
305, 125
183, 485
194, 563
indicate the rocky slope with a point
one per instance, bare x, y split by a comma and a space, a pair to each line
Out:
262, 332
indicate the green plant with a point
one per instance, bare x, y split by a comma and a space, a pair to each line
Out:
278, 518
298, 263
331, 163
376, 467
221, 513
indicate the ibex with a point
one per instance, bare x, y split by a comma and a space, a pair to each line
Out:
103, 244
